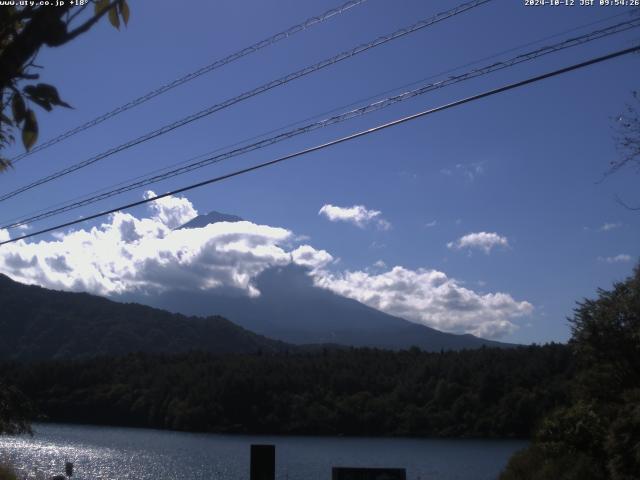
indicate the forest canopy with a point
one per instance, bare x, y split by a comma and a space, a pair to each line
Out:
481, 393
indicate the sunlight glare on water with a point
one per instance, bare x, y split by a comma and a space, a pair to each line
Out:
101, 453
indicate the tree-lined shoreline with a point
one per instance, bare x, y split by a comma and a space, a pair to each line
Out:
488, 393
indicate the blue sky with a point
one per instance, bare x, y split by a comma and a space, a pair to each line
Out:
525, 165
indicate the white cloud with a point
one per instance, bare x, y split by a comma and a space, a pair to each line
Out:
621, 258
171, 211
380, 264
431, 298
610, 226
308, 256
358, 215
430, 224
126, 254
484, 241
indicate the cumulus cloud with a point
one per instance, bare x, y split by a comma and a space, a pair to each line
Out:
308, 256
621, 258
484, 241
431, 298
127, 254
171, 211
358, 215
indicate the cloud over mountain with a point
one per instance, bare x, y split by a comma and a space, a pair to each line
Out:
128, 254
131, 254
431, 298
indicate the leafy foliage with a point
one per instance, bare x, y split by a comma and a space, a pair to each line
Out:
627, 132
24, 30
482, 393
598, 435
16, 411
7, 472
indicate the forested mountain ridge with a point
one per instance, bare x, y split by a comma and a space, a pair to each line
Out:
38, 324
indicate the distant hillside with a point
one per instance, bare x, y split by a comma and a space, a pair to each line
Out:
291, 309
36, 323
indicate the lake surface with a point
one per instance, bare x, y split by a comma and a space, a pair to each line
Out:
140, 454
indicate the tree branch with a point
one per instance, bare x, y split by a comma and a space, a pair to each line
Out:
625, 205
90, 23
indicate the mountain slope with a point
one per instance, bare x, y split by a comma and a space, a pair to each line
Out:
212, 217
290, 308
37, 323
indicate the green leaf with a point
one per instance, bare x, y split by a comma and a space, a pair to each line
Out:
123, 7
4, 164
114, 19
45, 95
29, 130
99, 6
18, 108
124, 11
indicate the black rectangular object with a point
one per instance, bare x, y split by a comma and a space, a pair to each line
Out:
263, 462
348, 473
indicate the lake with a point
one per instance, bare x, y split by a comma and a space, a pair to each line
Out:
141, 454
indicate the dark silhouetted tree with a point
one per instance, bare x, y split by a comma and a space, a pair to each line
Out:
598, 435
16, 412
24, 30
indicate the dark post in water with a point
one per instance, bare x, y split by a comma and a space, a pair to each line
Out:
263, 462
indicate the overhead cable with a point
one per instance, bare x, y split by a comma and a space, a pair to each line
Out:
332, 143
251, 93
371, 107
193, 75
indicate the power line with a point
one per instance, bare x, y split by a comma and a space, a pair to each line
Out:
372, 107
261, 89
347, 138
328, 112
193, 75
